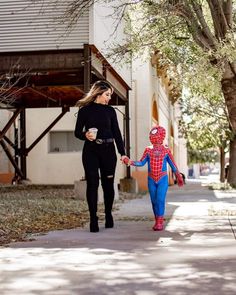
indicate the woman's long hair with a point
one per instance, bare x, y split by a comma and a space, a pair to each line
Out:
98, 88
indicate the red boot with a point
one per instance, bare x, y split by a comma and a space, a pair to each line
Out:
159, 223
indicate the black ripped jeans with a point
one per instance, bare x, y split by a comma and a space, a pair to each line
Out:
99, 157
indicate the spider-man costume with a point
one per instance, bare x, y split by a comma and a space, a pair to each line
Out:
157, 156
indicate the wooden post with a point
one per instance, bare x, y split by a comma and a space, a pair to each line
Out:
87, 67
127, 137
23, 143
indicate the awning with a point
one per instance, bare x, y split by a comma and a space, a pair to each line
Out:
55, 78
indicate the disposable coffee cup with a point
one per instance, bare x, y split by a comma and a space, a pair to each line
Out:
94, 132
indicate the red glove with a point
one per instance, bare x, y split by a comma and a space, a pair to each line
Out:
179, 179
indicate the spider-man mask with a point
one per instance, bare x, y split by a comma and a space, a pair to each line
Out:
157, 135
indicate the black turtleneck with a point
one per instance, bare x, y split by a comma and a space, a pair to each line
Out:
104, 118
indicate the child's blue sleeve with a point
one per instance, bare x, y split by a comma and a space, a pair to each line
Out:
171, 162
142, 161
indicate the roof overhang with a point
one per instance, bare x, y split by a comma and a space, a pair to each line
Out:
55, 78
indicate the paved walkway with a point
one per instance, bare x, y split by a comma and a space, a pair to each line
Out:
195, 254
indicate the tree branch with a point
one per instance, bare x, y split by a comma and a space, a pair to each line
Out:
9, 84
182, 9
218, 17
205, 28
228, 9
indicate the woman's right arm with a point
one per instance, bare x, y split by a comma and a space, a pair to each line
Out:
80, 124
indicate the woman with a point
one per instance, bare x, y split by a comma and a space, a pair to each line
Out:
99, 153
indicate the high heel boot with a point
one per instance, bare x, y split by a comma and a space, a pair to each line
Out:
94, 225
109, 223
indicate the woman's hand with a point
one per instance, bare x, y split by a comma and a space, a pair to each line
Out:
89, 135
125, 160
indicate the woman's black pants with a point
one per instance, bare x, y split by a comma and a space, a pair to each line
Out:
99, 157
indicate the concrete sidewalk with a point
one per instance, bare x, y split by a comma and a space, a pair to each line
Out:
195, 254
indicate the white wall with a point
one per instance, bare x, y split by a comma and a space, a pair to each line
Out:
145, 85
164, 107
120, 168
180, 143
182, 157
45, 167
5, 165
140, 107
103, 33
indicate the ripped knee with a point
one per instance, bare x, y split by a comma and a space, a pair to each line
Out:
110, 176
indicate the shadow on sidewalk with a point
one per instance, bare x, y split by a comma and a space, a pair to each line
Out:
195, 254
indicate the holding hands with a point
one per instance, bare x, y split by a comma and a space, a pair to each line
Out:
125, 160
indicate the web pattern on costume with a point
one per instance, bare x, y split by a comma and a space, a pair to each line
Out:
157, 159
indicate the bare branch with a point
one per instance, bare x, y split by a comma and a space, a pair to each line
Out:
9, 88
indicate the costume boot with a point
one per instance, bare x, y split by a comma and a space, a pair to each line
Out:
158, 223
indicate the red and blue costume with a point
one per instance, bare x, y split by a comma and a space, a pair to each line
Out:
157, 156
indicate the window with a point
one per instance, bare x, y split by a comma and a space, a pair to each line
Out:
64, 141
154, 111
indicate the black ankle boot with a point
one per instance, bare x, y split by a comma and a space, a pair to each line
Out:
94, 225
109, 221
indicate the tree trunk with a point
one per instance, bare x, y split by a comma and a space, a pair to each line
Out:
222, 164
232, 163
228, 84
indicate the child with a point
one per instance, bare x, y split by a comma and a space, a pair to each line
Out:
157, 157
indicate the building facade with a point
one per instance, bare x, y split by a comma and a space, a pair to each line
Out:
60, 62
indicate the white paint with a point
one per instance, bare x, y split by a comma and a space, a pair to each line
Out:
147, 85
5, 166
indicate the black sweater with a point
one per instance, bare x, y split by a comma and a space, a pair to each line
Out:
104, 118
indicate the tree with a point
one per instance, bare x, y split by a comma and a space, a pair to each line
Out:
190, 33
204, 116
205, 126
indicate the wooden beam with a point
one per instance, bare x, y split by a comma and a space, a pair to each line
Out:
10, 157
9, 141
9, 123
64, 111
87, 67
41, 61
58, 78
23, 143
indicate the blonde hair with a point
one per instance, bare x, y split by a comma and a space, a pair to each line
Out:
98, 88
